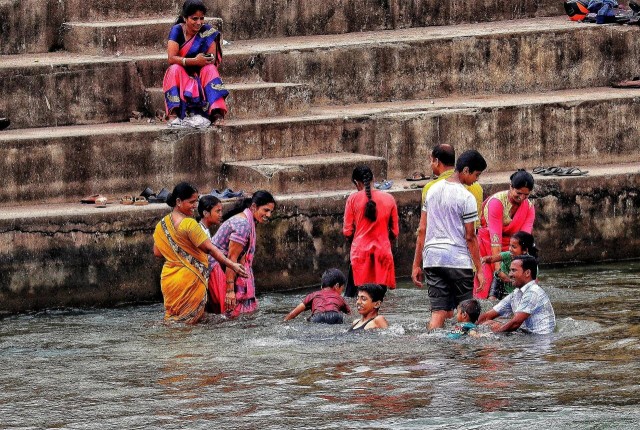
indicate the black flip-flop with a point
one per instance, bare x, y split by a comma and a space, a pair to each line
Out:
4, 123
571, 171
161, 197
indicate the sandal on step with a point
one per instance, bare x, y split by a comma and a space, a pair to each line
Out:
382, 186
140, 201
571, 171
101, 202
90, 200
417, 176
126, 200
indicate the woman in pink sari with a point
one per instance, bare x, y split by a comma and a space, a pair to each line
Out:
504, 214
236, 238
192, 83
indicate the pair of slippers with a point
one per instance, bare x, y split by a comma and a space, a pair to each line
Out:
559, 171
136, 201
96, 199
151, 197
631, 83
418, 176
227, 193
384, 185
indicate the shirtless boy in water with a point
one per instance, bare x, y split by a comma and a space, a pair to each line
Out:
369, 299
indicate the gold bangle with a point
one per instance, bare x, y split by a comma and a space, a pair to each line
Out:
184, 61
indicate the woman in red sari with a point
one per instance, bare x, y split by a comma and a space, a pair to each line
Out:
192, 83
371, 221
504, 214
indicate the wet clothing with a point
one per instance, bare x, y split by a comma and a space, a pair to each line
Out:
533, 300
448, 287
327, 318
475, 189
371, 257
497, 227
449, 206
325, 300
242, 230
461, 329
185, 271
195, 89
354, 328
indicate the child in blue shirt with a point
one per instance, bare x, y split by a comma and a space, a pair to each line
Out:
467, 316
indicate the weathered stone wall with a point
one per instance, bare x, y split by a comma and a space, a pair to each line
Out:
102, 259
28, 26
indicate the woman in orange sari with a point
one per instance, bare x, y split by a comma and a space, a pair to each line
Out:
179, 239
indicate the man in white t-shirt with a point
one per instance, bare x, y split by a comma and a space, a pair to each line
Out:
450, 251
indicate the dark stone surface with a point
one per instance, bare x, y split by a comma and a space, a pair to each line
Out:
104, 258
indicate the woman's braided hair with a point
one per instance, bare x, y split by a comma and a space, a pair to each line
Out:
365, 175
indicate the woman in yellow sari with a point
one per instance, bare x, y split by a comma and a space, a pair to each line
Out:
179, 239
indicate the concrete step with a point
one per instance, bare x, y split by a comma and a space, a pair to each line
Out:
414, 63
252, 100
250, 20
120, 37
31, 26
79, 246
524, 130
98, 10
300, 174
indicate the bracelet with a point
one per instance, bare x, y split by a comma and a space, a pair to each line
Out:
184, 61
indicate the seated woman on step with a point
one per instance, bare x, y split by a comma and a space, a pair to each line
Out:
192, 83
179, 239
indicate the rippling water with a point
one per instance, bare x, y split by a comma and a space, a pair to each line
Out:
123, 368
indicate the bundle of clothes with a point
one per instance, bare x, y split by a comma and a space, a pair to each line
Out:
603, 11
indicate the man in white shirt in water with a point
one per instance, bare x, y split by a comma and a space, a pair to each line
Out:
450, 251
528, 305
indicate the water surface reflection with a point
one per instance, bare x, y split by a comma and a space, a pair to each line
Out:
122, 368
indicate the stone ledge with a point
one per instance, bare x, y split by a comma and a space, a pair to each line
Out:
524, 131
81, 256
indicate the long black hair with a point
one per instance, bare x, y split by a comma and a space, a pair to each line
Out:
365, 175
206, 203
260, 198
182, 191
521, 178
190, 7
526, 242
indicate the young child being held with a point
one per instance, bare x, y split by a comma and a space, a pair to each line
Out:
368, 302
468, 313
520, 243
327, 304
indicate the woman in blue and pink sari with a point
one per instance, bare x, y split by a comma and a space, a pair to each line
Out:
236, 238
192, 83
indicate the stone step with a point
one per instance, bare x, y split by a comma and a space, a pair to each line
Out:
251, 100
247, 20
414, 63
300, 174
98, 10
34, 25
78, 247
524, 130
120, 37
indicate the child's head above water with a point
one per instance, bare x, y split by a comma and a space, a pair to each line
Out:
370, 297
523, 243
469, 311
332, 278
